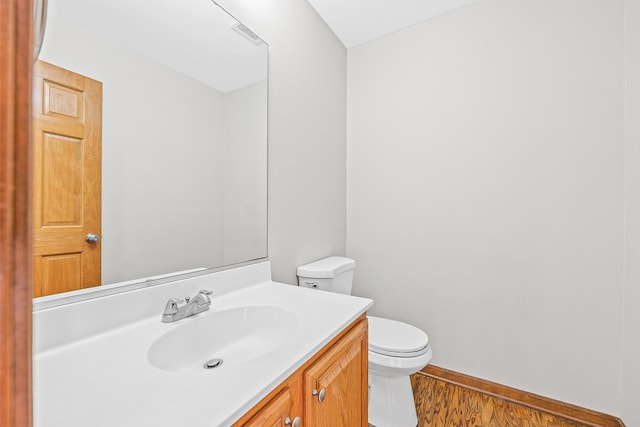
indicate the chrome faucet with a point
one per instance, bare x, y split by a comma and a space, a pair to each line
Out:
174, 312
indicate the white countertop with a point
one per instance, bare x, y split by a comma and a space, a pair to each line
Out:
105, 380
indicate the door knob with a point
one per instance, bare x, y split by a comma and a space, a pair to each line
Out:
91, 238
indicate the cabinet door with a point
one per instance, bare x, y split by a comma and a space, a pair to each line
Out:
274, 413
335, 386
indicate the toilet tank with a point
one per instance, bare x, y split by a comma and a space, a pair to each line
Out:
333, 274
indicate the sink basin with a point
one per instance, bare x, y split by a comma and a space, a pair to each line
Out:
235, 335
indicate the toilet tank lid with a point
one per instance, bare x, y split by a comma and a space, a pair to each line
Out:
326, 268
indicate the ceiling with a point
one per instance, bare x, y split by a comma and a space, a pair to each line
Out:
358, 21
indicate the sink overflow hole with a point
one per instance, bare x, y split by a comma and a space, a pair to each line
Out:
213, 363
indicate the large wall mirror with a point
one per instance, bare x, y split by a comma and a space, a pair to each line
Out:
183, 126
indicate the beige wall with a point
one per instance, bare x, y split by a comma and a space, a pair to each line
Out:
485, 190
631, 344
307, 137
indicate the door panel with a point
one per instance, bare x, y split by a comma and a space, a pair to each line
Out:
60, 273
335, 386
274, 413
63, 101
67, 137
61, 180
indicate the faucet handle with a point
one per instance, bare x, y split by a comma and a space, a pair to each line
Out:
203, 297
172, 306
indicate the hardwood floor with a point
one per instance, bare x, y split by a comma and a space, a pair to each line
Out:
443, 404
447, 398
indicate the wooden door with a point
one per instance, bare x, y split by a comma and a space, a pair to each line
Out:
335, 387
67, 159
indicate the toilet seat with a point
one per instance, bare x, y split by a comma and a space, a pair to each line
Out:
396, 339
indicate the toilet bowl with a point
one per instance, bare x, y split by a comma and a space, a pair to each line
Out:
396, 349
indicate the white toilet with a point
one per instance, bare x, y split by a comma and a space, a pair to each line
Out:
396, 349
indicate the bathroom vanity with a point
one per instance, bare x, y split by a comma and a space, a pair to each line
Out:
288, 353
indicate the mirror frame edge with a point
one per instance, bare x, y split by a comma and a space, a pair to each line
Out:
43, 303
16, 62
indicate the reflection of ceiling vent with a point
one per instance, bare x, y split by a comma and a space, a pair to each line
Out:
247, 33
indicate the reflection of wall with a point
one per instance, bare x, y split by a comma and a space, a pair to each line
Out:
245, 151
153, 118
485, 183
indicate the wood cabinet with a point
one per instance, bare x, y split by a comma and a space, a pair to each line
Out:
329, 390
334, 384
275, 413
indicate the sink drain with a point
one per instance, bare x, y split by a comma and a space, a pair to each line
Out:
213, 363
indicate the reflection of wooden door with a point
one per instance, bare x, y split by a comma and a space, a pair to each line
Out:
67, 138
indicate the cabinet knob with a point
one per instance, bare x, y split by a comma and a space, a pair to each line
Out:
321, 394
294, 423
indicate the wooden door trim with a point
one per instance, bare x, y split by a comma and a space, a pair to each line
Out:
16, 50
